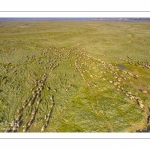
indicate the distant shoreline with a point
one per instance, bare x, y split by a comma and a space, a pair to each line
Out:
74, 19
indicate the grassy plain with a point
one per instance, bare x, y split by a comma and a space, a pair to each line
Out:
74, 76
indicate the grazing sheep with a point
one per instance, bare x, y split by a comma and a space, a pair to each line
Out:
43, 128
47, 119
118, 89
55, 90
31, 121
19, 110
144, 91
140, 103
49, 114
34, 111
29, 99
116, 83
122, 88
39, 95
34, 96
14, 129
25, 128
12, 123
41, 88
25, 101
48, 88
31, 103
129, 93
136, 76
111, 81
8, 130
38, 102
33, 92
131, 97
119, 79
52, 106
18, 124
45, 116
18, 117
24, 105
52, 97
33, 117
130, 74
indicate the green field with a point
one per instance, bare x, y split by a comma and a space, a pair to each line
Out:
74, 76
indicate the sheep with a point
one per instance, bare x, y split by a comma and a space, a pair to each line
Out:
119, 79
55, 90
144, 91
33, 92
52, 105
48, 88
131, 97
118, 87
140, 103
41, 88
29, 99
47, 119
25, 101
8, 130
18, 117
18, 124
38, 102
130, 74
111, 81
34, 111
49, 114
45, 116
25, 125
43, 128
24, 105
31, 103
122, 88
34, 96
135, 76
31, 121
129, 93
19, 110
124, 78
14, 129
25, 128
116, 83
39, 95
33, 117
52, 97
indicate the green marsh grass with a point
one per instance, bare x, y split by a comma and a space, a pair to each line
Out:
80, 59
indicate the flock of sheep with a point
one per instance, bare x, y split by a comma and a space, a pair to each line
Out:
89, 68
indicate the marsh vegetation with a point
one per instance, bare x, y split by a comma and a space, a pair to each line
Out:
74, 76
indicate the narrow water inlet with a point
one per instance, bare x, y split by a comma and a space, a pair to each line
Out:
121, 66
